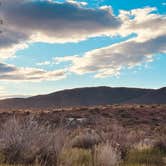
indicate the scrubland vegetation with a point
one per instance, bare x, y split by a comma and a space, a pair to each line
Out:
31, 141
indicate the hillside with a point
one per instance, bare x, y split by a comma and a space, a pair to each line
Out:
157, 96
88, 97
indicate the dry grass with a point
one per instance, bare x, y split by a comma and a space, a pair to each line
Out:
39, 140
25, 142
147, 157
76, 157
106, 155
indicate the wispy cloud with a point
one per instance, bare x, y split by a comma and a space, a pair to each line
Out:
2, 89
43, 63
5, 96
10, 72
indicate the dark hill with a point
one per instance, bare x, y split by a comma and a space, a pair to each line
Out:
154, 97
88, 97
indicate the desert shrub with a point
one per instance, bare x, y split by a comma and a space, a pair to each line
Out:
121, 138
85, 140
106, 155
145, 144
25, 141
149, 157
161, 144
76, 157
2, 158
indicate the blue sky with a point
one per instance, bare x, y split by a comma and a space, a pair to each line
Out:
78, 44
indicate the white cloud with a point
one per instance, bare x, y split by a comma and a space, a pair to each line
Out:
2, 92
111, 60
2, 89
43, 63
150, 40
7, 96
143, 22
77, 3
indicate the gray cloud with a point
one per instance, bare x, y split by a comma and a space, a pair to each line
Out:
10, 72
50, 21
4, 68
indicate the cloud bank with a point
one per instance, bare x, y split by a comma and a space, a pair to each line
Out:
109, 61
52, 22
27, 21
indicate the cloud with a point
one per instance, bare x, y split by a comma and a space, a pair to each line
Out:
2, 89
27, 21
2, 92
52, 22
43, 63
11, 41
7, 96
144, 22
10, 72
150, 40
7, 68
111, 60
49, 21
78, 3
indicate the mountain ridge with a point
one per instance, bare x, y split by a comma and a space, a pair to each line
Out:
88, 96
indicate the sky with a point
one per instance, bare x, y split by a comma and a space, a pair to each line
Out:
50, 45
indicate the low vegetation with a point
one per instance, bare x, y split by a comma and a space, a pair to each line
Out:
26, 142
32, 140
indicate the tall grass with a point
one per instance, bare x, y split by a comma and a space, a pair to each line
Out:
147, 157
76, 157
26, 142
106, 155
